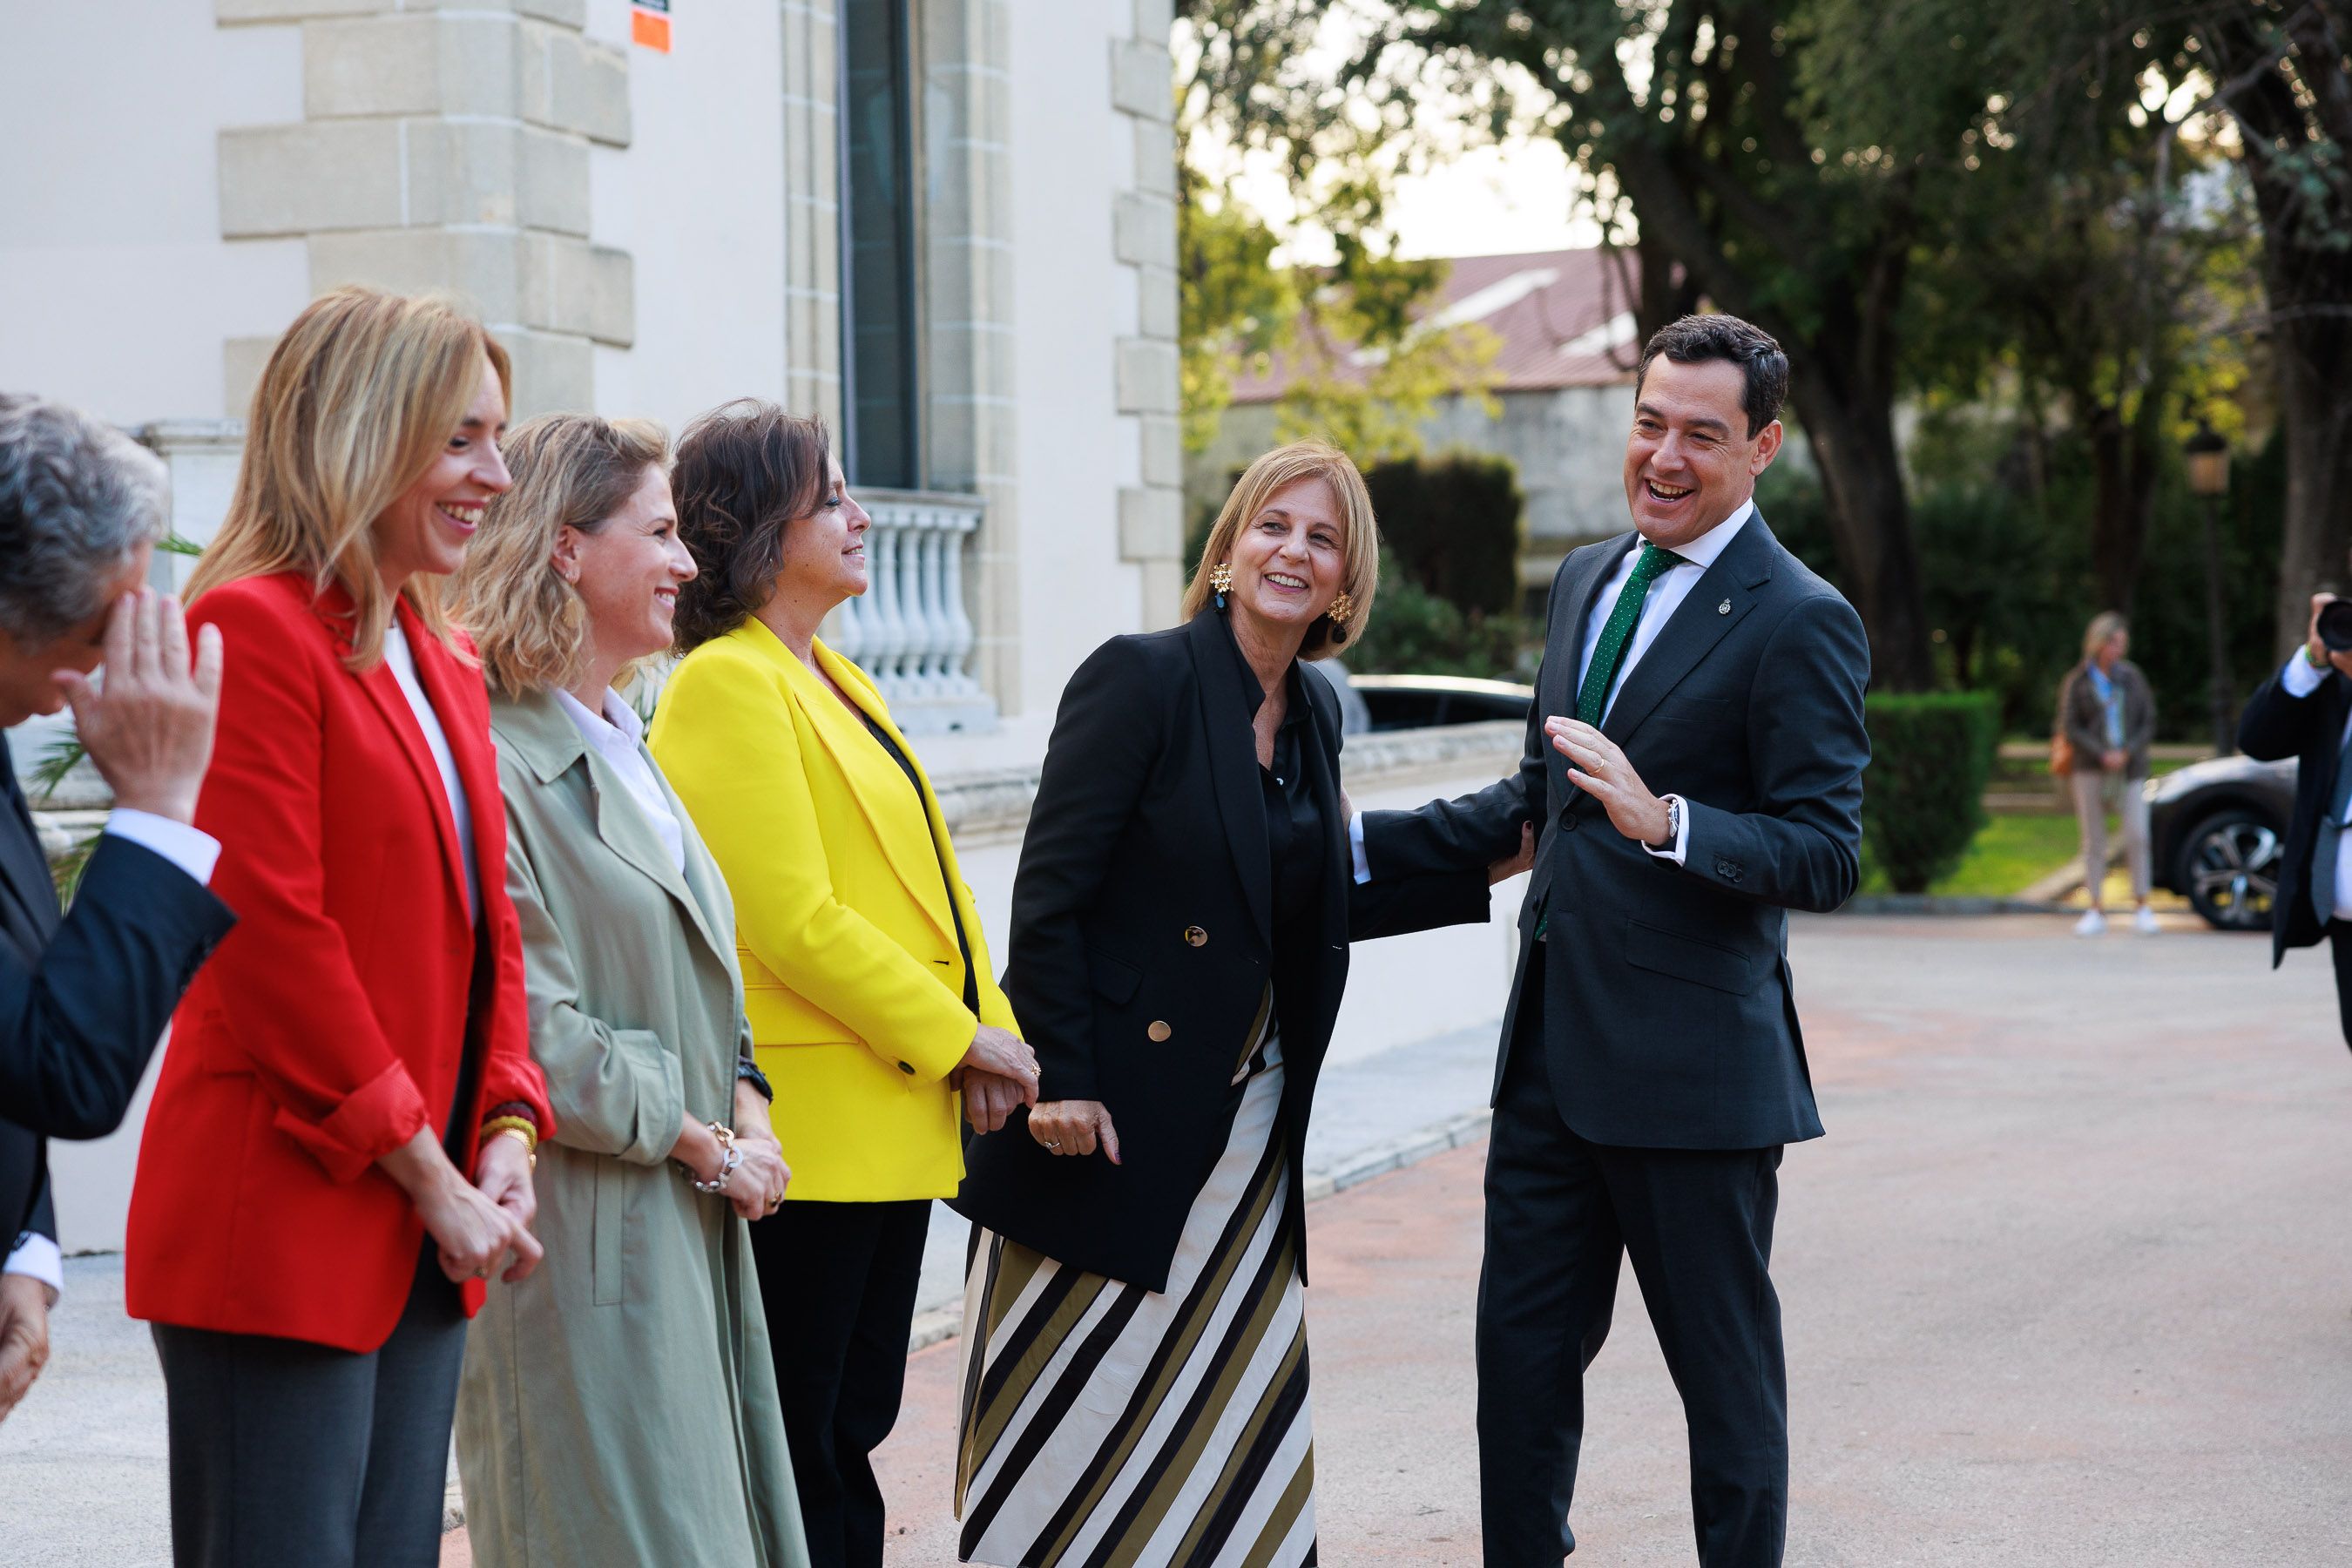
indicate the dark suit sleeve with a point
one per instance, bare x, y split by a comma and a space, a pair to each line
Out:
1105, 740
2276, 724
1462, 836
1800, 845
77, 1030
1397, 905
41, 1214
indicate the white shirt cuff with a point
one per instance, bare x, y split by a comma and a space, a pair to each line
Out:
1680, 848
37, 1256
1356, 848
2299, 677
192, 851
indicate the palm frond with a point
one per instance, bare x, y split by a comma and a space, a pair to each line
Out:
58, 760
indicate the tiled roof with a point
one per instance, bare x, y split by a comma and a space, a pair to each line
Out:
1565, 319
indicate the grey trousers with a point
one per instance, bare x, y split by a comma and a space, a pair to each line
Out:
288, 1452
2094, 792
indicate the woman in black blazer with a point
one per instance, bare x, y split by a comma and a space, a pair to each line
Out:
1135, 1382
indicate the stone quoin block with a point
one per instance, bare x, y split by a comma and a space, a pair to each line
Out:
1143, 79
1151, 523
1156, 308
573, 83
299, 178
553, 373
1155, 157
1146, 376
483, 269
1163, 450
570, 286
1143, 230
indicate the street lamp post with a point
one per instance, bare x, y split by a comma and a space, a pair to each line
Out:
2209, 480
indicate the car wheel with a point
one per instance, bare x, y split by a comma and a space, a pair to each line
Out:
2230, 865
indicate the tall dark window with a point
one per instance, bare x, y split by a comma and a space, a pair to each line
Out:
878, 303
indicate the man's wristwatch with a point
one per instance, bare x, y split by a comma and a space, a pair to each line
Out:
1674, 822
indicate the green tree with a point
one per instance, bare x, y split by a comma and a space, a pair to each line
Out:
1748, 184
1367, 367
2280, 70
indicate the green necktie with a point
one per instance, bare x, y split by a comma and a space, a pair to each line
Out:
1592, 698
1610, 651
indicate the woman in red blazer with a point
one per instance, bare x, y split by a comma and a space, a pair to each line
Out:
328, 1156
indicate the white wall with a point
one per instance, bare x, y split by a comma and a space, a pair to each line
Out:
119, 289
698, 201
1072, 151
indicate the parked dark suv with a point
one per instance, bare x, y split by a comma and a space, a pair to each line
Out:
2216, 829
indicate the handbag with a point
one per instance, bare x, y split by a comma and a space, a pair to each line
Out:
2061, 747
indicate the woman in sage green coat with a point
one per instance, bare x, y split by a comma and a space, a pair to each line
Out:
619, 1407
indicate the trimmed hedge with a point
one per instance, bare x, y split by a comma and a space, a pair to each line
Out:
1453, 522
1923, 798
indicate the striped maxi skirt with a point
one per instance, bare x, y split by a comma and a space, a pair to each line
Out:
1105, 1425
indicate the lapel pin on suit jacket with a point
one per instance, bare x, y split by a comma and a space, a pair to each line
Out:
1723, 608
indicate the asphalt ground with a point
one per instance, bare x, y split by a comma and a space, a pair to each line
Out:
2068, 1282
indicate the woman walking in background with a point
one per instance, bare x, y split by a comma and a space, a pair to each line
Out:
2107, 715
637, 1018
1135, 1384
866, 974
343, 1126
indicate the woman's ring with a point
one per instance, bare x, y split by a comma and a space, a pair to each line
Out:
1056, 1148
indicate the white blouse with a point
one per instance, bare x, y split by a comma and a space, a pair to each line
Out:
397, 653
617, 735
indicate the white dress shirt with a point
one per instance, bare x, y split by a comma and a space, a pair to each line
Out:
617, 735
397, 654
192, 851
1668, 591
2301, 680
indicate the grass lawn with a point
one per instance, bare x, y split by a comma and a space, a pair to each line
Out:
2010, 854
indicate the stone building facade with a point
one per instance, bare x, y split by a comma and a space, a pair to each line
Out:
947, 227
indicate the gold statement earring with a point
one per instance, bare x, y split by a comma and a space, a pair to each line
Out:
1341, 608
1221, 577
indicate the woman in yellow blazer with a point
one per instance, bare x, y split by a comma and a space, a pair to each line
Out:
866, 976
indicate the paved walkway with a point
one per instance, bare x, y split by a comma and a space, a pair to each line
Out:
2069, 1282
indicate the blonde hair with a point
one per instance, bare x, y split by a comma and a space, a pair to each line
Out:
2104, 624
357, 400
571, 470
1360, 550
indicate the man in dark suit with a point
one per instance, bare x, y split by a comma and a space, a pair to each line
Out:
2301, 712
85, 995
1651, 1066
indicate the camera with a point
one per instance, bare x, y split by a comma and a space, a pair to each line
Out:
2335, 626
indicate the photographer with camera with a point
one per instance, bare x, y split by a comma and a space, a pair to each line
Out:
2301, 712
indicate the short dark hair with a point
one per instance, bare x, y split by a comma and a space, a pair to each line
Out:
744, 472
1695, 339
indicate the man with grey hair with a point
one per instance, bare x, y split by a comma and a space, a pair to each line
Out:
84, 996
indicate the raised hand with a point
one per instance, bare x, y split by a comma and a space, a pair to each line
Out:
148, 726
1597, 767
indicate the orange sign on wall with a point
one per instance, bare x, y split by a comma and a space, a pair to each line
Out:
649, 24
